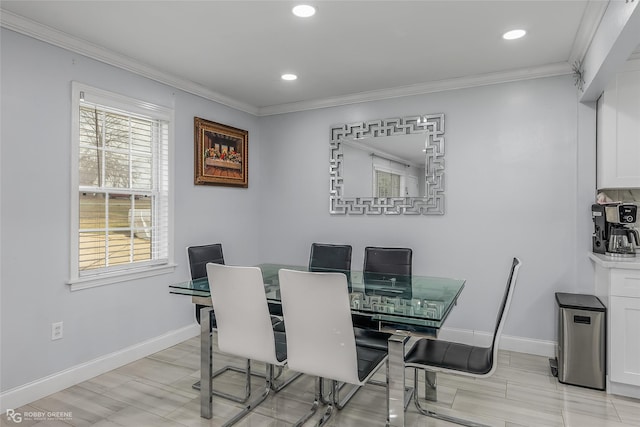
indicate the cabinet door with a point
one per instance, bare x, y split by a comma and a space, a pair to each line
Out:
618, 130
624, 315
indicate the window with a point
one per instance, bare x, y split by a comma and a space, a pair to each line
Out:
121, 188
387, 184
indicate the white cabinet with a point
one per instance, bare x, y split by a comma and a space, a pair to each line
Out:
625, 338
618, 130
617, 284
625, 326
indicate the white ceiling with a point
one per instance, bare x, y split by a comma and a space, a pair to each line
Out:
235, 51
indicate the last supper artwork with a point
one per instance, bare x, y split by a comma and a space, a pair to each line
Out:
221, 154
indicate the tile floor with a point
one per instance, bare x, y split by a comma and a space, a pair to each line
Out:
156, 391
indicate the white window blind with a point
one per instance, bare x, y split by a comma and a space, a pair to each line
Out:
121, 185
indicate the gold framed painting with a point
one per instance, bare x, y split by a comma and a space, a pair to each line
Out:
220, 154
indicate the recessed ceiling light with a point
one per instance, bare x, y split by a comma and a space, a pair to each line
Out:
289, 77
304, 10
514, 34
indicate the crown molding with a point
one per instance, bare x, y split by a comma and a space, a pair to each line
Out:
591, 18
557, 69
52, 36
49, 35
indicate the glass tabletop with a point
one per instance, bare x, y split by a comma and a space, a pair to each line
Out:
414, 300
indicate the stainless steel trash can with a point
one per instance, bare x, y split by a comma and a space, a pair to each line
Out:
581, 351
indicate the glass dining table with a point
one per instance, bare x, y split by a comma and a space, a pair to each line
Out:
403, 306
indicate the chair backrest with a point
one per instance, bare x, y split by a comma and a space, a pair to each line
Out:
383, 266
329, 258
320, 337
387, 262
240, 303
503, 311
199, 256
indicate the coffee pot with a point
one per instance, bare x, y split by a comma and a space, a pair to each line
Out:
622, 241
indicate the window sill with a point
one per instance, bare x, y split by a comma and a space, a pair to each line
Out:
118, 277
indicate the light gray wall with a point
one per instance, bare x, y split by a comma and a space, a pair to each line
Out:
35, 190
511, 185
512, 168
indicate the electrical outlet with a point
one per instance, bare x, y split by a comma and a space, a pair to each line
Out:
56, 331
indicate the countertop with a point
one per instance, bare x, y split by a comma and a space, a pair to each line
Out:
608, 261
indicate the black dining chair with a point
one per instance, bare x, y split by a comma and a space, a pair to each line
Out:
198, 257
326, 257
454, 358
387, 271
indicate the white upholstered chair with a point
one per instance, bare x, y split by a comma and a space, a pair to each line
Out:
243, 322
199, 257
320, 336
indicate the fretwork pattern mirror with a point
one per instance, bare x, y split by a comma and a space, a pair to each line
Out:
391, 166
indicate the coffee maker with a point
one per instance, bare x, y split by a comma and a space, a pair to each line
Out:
613, 233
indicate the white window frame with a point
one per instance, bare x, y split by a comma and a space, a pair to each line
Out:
79, 281
386, 169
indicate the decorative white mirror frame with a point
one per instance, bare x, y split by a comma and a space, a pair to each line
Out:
432, 204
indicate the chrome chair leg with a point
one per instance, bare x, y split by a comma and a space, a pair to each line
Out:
246, 371
329, 411
431, 414
325, 400
280, 371
430, 385
336, 387
341, 404
277, 388
251, 405
317, 401
326, 416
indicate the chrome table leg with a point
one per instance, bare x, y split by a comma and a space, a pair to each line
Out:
395, 378
206, 355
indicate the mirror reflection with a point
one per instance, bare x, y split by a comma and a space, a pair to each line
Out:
389, 166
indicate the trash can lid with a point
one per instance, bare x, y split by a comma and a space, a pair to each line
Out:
579, 301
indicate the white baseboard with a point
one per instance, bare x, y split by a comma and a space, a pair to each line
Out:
528, 345
623, 389
42, 387
517, 344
